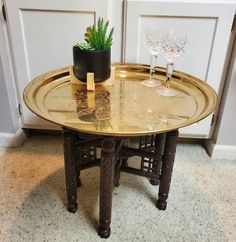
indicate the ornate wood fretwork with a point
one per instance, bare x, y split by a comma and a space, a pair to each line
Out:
150, 149
159, 151
82, 151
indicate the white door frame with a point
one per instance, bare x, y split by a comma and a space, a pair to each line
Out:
18, 136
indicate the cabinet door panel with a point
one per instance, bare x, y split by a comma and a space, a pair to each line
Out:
200, 35
208, 29
49, 41
42, 35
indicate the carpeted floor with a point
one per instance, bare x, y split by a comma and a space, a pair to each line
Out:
201, 205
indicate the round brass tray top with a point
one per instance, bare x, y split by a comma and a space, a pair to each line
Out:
123, 107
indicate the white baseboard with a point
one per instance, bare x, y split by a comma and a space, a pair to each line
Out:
227, 152
12, 139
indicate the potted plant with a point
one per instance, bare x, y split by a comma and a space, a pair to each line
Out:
94, 55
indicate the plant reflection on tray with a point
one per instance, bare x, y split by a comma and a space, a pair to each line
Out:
94, 107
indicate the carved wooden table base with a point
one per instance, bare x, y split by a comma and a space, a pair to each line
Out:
157, 154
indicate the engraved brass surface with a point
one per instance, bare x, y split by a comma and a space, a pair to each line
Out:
124, 108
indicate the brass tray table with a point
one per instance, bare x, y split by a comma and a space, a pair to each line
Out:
97, 126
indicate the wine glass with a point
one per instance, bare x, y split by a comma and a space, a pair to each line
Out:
152, 41
173, 44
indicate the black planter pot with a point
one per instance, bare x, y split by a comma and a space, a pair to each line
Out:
98, 62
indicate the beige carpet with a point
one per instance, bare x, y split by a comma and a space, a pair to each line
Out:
201, 205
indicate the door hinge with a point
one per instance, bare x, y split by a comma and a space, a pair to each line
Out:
233, 24
19, 109
4, 12
212, 119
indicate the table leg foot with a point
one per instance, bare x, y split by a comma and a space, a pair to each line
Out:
72, 207
104, 233
154, 182
161, 204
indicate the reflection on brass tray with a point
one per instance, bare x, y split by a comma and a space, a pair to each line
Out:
99, 114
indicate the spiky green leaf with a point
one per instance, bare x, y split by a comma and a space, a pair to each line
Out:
97, 35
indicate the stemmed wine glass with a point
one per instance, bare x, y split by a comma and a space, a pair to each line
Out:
152, 41
173, 46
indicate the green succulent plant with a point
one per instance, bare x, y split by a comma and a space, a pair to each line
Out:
84, 46
97, 37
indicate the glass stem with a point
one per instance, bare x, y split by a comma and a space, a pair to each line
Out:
153, 62
169, 72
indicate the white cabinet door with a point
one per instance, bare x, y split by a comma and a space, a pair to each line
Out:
42, 34
208, 29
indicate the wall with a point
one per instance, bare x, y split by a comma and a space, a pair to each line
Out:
227, 131
6, 122
224, 137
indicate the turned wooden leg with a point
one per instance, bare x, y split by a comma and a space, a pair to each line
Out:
119, 162
106, 186
124, 163
70, 169
117, 182
159, 144
78, 159
78, 180
167, 167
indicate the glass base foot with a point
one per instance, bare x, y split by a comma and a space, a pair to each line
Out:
167, 92
151, 83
